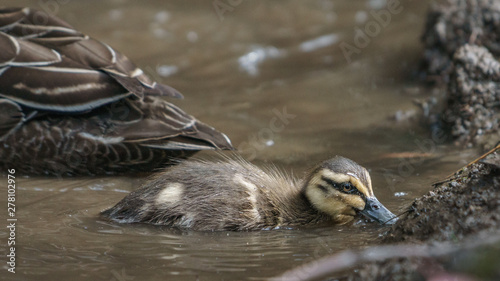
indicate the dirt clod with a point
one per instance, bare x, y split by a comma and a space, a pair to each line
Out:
466, 204
462, 47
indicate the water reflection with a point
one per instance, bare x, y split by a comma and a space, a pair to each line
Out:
263, 57
186, 253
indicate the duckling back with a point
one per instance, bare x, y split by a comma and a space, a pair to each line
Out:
229, 195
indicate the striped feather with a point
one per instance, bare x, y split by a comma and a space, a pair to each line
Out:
70, 104
11, 117
55, 51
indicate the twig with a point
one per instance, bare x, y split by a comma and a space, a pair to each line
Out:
449, 178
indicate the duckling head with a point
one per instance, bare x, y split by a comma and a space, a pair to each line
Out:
341, 188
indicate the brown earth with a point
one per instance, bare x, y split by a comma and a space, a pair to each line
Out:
461, 50
462, 212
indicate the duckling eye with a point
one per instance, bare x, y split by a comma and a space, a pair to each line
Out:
347, 187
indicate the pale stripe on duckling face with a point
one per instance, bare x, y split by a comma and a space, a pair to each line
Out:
172, 193
349, 177
252, 191
336, 177
365, 188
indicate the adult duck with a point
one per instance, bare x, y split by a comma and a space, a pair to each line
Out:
70, 104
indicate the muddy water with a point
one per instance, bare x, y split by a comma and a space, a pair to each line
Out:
273, 76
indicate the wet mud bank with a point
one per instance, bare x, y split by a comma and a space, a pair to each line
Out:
456, 227
464, 204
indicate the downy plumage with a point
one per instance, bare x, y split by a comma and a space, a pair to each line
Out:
232, 194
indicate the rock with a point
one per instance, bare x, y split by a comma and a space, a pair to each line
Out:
463, 209
451, 24
462, 47
472, 112
467, 203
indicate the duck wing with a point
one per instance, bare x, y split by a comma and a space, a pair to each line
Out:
46, 64
11, 117
155, 123
70, 104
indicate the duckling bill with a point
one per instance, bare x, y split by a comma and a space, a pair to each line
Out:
236, 195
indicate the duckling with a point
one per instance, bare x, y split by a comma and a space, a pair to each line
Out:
235, 195
70, 104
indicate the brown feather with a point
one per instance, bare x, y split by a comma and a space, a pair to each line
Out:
91, 110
